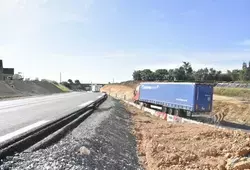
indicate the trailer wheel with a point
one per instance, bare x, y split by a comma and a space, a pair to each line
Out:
176, 112
189, 113
183, 113
170, 111
164, 109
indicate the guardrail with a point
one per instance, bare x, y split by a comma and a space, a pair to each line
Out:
28, 139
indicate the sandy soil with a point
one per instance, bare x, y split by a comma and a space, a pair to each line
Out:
234, 109
168, 146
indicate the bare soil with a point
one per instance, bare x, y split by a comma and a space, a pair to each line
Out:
169, 146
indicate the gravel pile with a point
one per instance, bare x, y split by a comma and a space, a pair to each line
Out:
29, 87
103, 141
6, 90
48, 86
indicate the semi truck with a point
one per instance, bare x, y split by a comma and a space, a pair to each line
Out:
181, 99
95, 88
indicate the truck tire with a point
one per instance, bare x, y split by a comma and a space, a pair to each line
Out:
176, 112
170, 111
183, 113
164, 109
189, 113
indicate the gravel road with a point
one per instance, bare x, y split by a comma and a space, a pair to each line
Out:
103, 141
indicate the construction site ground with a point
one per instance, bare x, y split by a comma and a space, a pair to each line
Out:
175, 146
165, 145
236, 111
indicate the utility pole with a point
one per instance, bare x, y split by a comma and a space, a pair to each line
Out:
113, 80
60, 77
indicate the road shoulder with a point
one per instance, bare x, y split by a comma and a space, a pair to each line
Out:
103, 141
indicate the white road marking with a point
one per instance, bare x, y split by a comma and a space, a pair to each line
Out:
22, 130
85, 104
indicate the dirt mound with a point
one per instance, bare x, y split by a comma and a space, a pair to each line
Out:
120, 90
48, 86
234, 112
16, 88
7, 91
28, 87
164, 145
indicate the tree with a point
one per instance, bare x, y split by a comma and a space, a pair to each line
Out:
186, 73
171, 75
199, 75
70, 81
147, 75
179, 74
225, 77
244, 72
161, 74
137, 75
77, 82
17, 76
235, 74
66, 84
187, 67
244, 65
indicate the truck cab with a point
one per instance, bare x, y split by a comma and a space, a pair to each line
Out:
136, 94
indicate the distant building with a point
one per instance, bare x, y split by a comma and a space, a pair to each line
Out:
5, 73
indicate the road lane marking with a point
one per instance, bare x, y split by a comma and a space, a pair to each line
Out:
33, 100
22, 130
85, 104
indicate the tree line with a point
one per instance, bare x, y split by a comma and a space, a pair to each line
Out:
70, 83
186, 73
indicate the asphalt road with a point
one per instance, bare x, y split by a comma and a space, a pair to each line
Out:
20, 115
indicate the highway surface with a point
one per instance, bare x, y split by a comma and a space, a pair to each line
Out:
20, 115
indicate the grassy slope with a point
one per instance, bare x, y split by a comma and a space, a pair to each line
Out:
232, 92
61, 87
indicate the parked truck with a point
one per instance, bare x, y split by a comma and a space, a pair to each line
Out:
95, 88
181, 99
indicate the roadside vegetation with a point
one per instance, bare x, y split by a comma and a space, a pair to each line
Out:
186, 73
61, 87
233, 92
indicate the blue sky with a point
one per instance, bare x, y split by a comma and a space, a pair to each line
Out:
98, 40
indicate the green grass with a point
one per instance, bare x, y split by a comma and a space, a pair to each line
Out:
61, 87
232, 92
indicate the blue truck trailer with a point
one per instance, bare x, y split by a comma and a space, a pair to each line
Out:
180, 99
